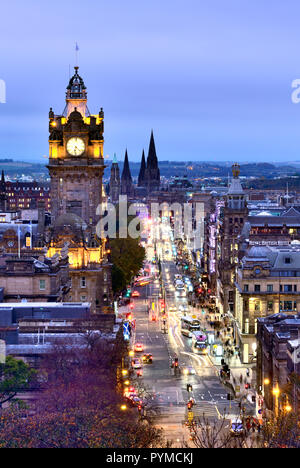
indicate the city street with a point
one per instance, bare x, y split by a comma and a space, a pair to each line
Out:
170, 391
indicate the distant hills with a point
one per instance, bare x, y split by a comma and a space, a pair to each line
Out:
191, 169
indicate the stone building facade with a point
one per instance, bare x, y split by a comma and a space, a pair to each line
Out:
34, 277
267, 282
76, 167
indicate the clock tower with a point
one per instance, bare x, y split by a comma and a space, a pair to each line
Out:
76, 162
76, 169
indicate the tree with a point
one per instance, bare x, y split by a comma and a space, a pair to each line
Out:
118, 279
80, 405
15, 376
127, 257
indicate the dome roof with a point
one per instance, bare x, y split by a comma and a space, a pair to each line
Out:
258, 252
75, 115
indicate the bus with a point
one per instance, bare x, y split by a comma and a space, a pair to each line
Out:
143, 281
199, 342
189, 325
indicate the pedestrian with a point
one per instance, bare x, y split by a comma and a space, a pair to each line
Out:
253, 426
248, 425
241, 379
258, 427
248, 372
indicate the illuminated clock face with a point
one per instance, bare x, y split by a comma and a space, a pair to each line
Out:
75, 146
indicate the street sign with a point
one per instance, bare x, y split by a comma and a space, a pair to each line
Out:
126, 330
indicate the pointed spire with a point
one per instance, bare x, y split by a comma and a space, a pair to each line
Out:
126, 174
126, 180
152, 173
141, 179
2, 193
152, 158
115, 161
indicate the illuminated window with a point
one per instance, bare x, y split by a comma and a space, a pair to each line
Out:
42, 285
83, 282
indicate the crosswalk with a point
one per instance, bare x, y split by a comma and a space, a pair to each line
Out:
205, 408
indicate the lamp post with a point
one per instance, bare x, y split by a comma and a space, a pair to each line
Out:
276, 393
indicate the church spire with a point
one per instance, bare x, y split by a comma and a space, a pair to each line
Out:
152, 158
141, 179
126, 179
2, 193
126, 174
152, 173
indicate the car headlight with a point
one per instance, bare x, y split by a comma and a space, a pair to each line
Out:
185, 371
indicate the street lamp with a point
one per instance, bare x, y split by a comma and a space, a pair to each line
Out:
123, 407
276, 393
288, 408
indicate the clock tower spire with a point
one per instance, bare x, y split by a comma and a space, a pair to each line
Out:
76, 95
76, 167
76, 162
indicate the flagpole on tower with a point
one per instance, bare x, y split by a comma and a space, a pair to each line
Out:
76, 54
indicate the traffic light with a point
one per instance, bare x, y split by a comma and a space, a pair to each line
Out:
131, 305
139, 408
189, 405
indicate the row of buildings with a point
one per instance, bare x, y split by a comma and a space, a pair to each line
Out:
251, 257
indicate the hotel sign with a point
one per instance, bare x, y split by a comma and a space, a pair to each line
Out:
262, 242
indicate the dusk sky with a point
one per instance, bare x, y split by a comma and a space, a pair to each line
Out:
212, 78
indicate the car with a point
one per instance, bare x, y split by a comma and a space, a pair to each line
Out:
189, 371
138, 347
135, 294
186, 332
133, 399
147, 358
136, 363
